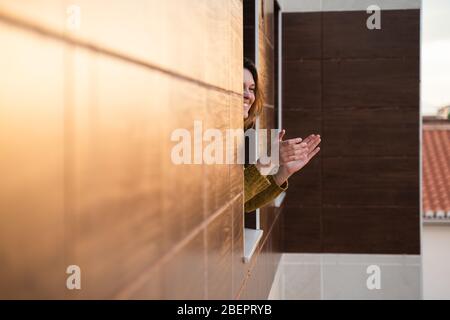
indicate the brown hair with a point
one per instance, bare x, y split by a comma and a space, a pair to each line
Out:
257, 105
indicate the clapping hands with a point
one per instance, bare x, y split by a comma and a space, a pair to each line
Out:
295, 154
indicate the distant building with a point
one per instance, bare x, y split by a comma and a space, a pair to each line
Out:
443, 112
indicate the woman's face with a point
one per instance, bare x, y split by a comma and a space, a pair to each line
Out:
249, 92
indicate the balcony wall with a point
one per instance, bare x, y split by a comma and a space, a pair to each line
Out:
86, 116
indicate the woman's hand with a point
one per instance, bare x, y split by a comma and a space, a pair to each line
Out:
302, 159
298, 155
291, 149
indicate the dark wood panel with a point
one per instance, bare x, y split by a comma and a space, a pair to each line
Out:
302, 229
302, 84
302, 36
371, 230
345, 35
370, 181
372, 131
219, 256
302, 123
305, 187
391, 82
360, 92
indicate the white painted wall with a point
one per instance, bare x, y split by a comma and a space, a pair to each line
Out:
436, 261
344, 276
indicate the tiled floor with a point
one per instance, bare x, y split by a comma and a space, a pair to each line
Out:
347, 276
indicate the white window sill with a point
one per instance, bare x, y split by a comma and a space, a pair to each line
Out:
251, 240
279, 200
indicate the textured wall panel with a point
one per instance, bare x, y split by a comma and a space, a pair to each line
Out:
358, 89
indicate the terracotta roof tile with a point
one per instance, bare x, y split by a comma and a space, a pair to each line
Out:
436, 171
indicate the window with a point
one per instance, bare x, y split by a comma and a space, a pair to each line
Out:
252, 231
252, 227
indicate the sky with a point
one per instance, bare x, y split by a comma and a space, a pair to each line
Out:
435, 77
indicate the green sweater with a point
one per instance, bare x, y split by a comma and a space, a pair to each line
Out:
259, 190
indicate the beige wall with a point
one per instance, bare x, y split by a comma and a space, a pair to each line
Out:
85, 123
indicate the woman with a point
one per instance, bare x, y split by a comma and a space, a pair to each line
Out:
294, 154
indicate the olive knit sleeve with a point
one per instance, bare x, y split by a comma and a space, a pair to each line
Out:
259, 190
254, 182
